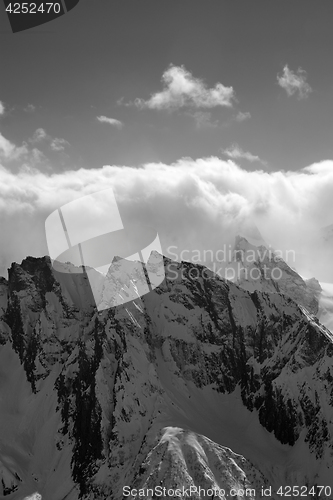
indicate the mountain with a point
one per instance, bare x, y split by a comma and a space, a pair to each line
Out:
198, 383
247, 229
257, 267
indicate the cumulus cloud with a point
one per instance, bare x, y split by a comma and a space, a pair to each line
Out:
241, 117
58, 144
110, 121
55, 143
193, 204
294, 82
38, 136
236, 153
37, 157
21, 158
2, 108
182, 89
10, 152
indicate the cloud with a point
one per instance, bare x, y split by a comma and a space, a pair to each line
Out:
21, 158
241, 117
38, 156
203, 119
39, 135
58, 144
236, 153
10, 152
110, 121
2, 108
294, 82
193, 204
182, 89
30, 108
55, 143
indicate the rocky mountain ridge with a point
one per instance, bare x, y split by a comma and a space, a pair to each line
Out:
197, 383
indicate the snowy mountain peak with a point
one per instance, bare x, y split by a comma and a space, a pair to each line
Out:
257, 267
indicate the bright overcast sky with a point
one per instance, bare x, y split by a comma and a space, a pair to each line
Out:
131, 83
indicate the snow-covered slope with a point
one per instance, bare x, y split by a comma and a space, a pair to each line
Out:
191, 464
197, 383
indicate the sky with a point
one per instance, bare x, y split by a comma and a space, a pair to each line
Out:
199, 116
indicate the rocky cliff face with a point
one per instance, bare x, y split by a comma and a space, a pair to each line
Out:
198, 383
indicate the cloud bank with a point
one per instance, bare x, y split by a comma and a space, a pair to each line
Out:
193, 204
181, 89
